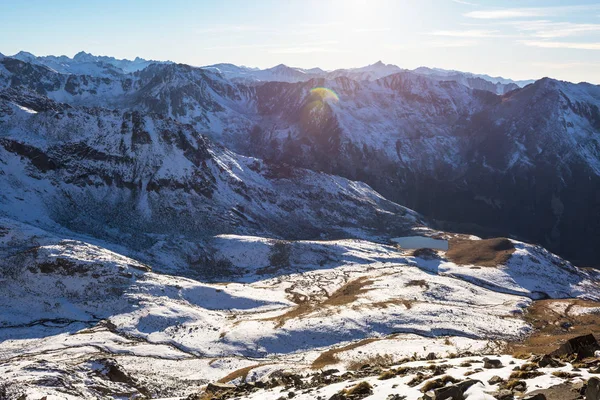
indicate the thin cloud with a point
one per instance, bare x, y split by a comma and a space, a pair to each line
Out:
442, 43
302, 50
566, 65
231, 29
363, 30
467, 3
470, 33
550, 30
507, 13
561, 45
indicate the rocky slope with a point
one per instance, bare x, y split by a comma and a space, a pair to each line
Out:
525, 163
140, 179
142, 258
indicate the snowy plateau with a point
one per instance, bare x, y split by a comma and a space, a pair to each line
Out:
179, 232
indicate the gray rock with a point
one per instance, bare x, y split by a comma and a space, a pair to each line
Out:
593, 389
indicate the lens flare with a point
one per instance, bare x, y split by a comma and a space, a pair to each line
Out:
324, 94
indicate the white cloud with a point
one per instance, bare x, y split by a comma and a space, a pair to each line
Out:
561, 45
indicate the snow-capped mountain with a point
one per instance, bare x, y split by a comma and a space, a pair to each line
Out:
367, 73
87, 64
278, 73
465, 76
454, 153
143, 256
139, 180
433, 144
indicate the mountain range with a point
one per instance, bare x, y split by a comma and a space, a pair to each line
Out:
524, 163
171, 231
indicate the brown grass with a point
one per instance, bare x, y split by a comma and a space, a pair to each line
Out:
239, 373
330, 356
525, 374
548, 334
483, 253
346, 294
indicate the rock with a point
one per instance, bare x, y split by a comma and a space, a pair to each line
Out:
466, 384
291, 395
538, 396
330, 372
593, 389
491, 363
494, 380
219, 387
582, 346
451, 392
547, 361
395, 397
504, 395
431, 356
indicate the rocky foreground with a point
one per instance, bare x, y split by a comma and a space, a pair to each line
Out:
570, 372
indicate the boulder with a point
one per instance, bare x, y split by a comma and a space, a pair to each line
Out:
451, 392
592, 391
581, 346
466, 384
547, 361
491, 363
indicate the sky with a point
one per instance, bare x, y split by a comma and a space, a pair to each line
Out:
526, 39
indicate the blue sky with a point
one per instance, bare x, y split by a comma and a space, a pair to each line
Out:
516, 39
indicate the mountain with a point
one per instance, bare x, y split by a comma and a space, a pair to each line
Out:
469, 158
139, 180
278, 73
522, 162
86, 64
367, 73
466, 76
173, 232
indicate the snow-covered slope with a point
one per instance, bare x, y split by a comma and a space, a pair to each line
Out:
84, 321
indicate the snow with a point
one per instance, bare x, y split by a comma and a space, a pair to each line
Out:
201, 332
